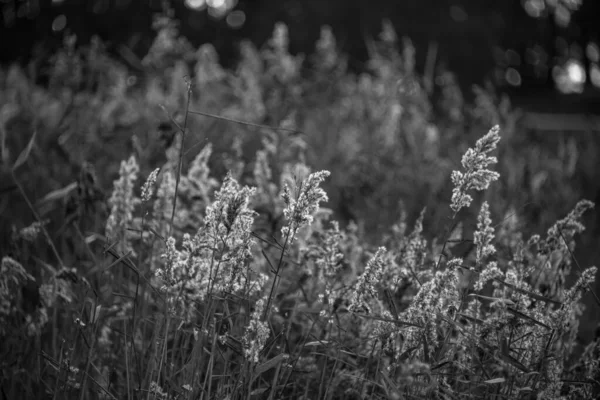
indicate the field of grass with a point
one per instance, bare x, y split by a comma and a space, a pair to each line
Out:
287, 230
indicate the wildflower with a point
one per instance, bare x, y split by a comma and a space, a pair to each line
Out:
280, 39
31, 232
564, 230
148, 188
228, 225
12, 274
233, 161
583, 284
327, 56
198, 175
476, 176
299, 212
415, 249
490, 272
13, 277
256, 334
280, 63
122, 202
208, 70
330, 255
157, 391
385, 331
410, 259
163, 204
262, 172
439, 294
365, 287
172, 258
484, 234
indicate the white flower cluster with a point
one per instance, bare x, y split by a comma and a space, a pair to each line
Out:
148, 188
476, 175
299, 211
122, 203
217, 257
365, 287
257, 333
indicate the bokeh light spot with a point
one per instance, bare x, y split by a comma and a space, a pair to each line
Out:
458, 13
236, 19
595, 75
195, 4
513, 77
217, 3
59, 23
592, 52
534, 8
562, 16
576, 72
570, 78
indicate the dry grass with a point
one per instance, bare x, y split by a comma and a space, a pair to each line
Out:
247, 288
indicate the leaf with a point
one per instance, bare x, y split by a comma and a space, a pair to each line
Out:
526, 317
495, 380
425, 349
272, 363
471, 318
525, 389
442, 364
389, 386
25, 153
493, 299
527, 292
258, 391
394, 321
514, 362
57, 194
316, 343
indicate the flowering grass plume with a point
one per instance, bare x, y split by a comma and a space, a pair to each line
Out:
148, 188
300, 211
476, 175
192, 316
12, 277
366, 287
163, 204
122, 203
217, 257
256, 335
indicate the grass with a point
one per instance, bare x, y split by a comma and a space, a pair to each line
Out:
224, 277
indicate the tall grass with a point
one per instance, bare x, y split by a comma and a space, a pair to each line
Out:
240, 285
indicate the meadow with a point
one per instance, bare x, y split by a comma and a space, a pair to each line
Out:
287, 229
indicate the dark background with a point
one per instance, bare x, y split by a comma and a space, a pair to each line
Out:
477, 39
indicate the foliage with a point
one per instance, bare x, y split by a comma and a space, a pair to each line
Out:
223, 277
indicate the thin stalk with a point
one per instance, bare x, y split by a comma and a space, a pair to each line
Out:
187, 111
37, 218
59, 370
275, 279
127, 361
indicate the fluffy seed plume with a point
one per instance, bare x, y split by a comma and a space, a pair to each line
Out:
300, 211
476, 175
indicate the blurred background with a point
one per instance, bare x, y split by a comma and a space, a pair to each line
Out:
545, 53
